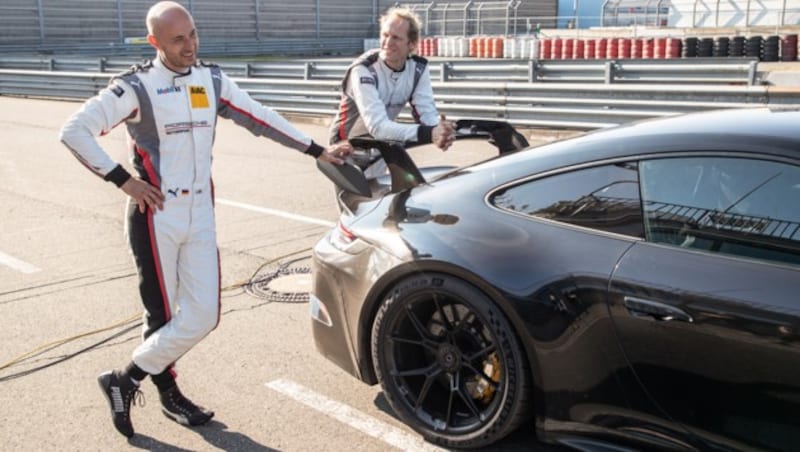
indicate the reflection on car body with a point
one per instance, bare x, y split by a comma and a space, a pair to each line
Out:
635, 287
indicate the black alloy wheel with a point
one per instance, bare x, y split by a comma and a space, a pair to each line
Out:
449, 362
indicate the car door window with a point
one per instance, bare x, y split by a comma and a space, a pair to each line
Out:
736, 206
604, 198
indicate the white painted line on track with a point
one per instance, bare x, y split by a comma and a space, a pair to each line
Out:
352, 417
16, 264
277, 213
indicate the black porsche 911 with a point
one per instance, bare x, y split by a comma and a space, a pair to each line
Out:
636, 286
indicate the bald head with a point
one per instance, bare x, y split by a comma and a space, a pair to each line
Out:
171, 30
164, 12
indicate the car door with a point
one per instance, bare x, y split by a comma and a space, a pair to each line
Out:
707, 309
582, 371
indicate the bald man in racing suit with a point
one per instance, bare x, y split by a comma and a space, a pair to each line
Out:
170, 107
379, 84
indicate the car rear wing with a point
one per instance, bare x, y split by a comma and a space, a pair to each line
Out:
403, 171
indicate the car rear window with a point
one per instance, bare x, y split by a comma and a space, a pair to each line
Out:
605, 198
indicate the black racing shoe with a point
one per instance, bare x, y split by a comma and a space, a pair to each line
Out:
181, 410
120, 393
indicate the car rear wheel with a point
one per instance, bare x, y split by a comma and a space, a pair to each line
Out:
449, 362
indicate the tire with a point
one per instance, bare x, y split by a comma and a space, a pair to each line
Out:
705, 47
449, 362
736, 48
721, 46
752, 47
690, 47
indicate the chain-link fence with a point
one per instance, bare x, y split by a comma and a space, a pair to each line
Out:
700, 13
119, 22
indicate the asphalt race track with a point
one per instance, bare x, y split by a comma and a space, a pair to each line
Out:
69, 307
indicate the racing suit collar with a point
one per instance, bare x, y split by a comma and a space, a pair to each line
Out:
175, 75
393, 69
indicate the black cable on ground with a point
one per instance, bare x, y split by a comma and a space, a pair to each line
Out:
69, 356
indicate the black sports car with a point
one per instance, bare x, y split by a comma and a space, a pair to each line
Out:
636, 286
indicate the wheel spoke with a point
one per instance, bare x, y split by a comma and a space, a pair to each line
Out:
427, 343
467, 400
405, 340
481, 353
432, 369
434, 372
464, 322
450, 399
421, 330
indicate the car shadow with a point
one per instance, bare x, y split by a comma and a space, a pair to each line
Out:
215, 433
523, 439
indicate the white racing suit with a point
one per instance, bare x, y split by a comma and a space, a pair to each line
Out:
171, 120
373, 94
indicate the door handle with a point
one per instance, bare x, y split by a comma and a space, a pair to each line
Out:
639, 307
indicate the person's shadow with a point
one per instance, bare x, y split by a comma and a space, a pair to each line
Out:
215, 433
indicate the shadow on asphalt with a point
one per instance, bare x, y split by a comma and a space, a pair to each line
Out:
215, 433
523, 439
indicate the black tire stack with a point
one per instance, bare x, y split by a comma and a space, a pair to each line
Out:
737, 46
705, 47
689, 47
764, 48
752, 46
722, 46
770, 49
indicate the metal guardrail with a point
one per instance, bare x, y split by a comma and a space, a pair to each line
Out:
581, 106
694, 70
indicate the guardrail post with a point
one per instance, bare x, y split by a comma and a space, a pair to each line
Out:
248, 70
444, 74
752, 73
308, 70
610, 71
102, 64
533, 66
51, 64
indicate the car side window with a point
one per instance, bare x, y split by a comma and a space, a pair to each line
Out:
604, 198
738, 206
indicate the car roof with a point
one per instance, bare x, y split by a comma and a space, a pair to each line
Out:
761, 130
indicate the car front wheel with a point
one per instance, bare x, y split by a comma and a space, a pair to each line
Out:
449, 362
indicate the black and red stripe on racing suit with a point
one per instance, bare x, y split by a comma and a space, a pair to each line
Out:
171, 120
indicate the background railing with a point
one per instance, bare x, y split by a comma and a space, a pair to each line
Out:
577, 105
737, 71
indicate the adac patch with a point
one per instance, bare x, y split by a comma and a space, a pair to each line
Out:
117, 90
367, 81
198, 96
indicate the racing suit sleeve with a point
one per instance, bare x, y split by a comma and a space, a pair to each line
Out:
422, 101
363, 90
237, 105
111, 106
